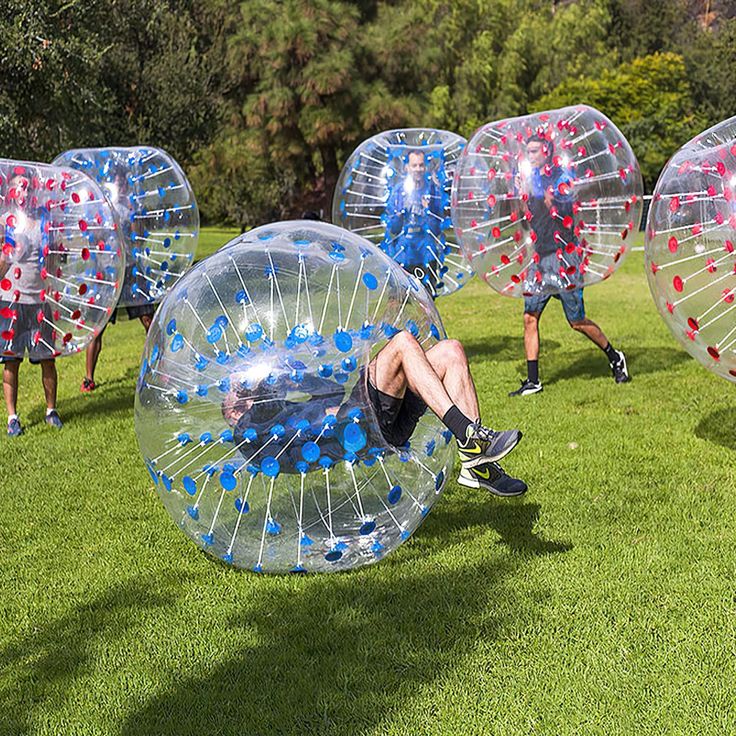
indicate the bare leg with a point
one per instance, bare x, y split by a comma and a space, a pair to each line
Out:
440, 377
531, 335
451, 366
49, 378
591, 330
10, 386
93, 355
146, 320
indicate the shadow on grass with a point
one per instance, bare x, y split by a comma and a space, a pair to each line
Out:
338, 654
719, 427
592, 363
503, 347
108, 398
40, 669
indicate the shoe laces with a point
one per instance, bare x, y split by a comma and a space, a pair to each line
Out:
485, 434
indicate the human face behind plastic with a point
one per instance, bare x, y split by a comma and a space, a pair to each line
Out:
417, 167
536, 153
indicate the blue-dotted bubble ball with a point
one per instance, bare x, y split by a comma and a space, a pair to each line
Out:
547, 202
157, 214
395, 191
690, 247
253, 410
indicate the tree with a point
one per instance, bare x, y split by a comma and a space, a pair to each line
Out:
295, 65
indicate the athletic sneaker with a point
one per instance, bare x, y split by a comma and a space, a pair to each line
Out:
527, 388
492, 477
54, 420
87, 385
484, 445
14, 428
619, 368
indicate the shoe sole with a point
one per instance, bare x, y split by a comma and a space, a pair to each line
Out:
481, 459
528, 392
473, 483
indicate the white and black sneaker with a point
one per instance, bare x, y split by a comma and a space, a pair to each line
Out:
619, 369
528, 388
492, 477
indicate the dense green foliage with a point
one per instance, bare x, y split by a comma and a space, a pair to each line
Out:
601, 603
262, 100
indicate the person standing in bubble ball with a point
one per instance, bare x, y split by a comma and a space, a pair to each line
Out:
22, 303
546, 187
414, 222
119, 191
402, 382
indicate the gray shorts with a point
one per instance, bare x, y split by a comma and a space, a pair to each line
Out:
25, 328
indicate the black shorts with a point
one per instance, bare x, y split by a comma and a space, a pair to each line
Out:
397, 418
141, 310
28, 334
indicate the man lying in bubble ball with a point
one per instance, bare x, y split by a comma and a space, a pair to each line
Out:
403, 382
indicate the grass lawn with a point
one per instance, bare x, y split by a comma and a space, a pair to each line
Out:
603, 602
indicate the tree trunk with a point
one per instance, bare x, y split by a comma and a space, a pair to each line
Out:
330, 172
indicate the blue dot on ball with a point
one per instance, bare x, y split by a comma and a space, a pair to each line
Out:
394, 494
367, 527
439, 480
190, 485
193, 512
370, 281
228, 481
273, 527
354, 438
333, 555
310, 451
270, 466
242, 506
343, 341
177, 343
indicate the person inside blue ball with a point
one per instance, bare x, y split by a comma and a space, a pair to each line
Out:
414, 216
311, 419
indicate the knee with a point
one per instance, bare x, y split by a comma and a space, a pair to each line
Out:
403, 341
578, 325
446, 354
530, 320
453, 351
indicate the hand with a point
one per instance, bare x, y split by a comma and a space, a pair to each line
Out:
549, 197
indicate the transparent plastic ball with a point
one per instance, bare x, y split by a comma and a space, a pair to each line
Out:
156, 209
394, 190
547, 203
690, 248
252, 409
61, 263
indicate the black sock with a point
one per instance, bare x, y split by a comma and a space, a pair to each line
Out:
457, 423
532, 370
611, 353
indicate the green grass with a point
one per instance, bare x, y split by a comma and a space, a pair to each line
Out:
601, 603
